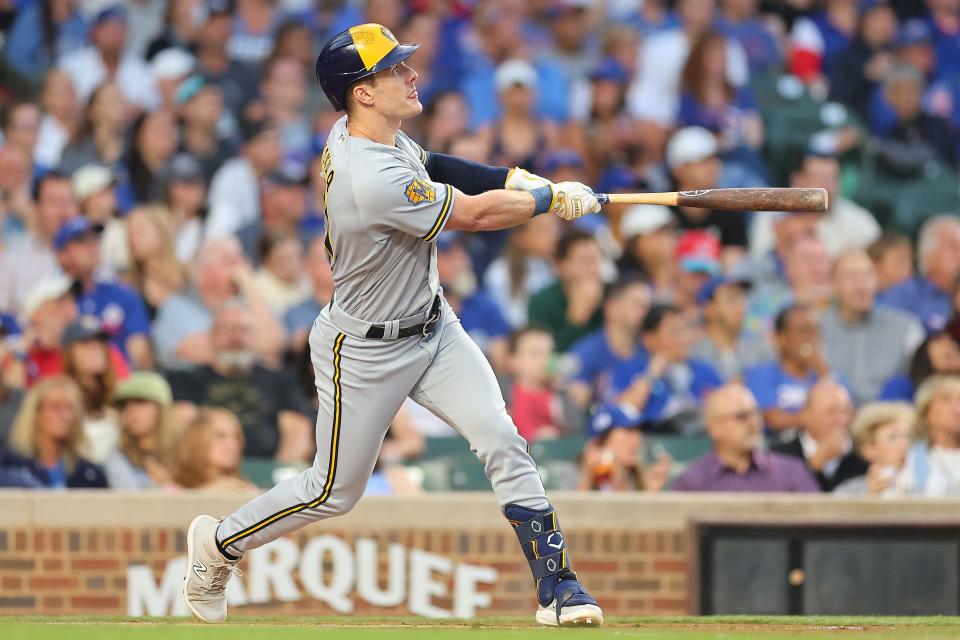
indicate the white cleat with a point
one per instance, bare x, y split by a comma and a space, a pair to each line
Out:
572, 615
207, 571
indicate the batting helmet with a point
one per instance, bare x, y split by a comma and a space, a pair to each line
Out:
357, 53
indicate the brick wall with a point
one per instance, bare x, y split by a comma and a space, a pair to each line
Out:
75, 553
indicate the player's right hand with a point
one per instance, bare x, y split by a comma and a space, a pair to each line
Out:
573, 199
522, 180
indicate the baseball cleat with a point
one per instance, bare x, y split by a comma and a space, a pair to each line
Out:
207, 571
572, 606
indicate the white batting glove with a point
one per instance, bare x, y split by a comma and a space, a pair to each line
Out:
522, 180
573, 199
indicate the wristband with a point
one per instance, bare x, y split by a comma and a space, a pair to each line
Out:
542, 198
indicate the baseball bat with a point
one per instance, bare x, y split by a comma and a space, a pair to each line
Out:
806, 200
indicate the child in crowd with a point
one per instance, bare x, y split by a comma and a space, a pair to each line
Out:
535, 406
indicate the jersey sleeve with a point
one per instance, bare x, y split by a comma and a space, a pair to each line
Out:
399, 198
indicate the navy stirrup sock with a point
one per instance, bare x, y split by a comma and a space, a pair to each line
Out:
543, 545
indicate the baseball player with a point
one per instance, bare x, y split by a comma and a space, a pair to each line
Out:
388, 333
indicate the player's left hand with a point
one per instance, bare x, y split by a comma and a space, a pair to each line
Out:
574, 199
522, 180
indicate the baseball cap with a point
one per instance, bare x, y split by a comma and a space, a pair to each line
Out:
913, 32
8, 325
698, 251
644, 218
710, 287
171, 63
51, 288
74, 229
613, 416
447, 240
84, 328
690, 144
220, 7
610, 70
553, 160
616, 178
90, 180
144, 385
515, 72
110, 10
183, 167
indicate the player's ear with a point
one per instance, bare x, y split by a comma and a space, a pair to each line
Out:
362, 93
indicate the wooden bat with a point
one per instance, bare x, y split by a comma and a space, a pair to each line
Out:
796, 200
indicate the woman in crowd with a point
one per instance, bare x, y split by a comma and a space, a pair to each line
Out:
209, 453
148, 433
933, 464
613, 461
153, 140
99, 140
519, 136
154, 270
47, 439
185, 194
60, 115
88, 363
881, 433
281, 275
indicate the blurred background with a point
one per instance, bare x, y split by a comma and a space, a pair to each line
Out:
162, 260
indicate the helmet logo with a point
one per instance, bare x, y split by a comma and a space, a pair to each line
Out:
420, 191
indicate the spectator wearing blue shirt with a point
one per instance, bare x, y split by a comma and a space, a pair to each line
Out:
781, 386
479, 315
299, 319
119, 308
43, 32
740, 20
663, 387
928, 295
592, 359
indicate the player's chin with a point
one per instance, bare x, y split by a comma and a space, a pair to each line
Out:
414, 104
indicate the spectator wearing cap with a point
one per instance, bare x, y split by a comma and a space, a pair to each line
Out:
185, 195
94, 188
816, 40
152, 142
148, 434
207, 130
845, 225
724, 344
47, 442
693, 164
267, 402
928, 295
824, 442
519, 135
614, 136
41, 33
220, 273
283, 205
781, 386
237, 80
105, 58
739, 461
29, 258
662, 387
649, 247
860, 68
153, 269
235, 189
612, 460
698, 260
299, 319
855, 325
570, 308
61, 111
170, 68
655, 91
87, 361
120, 309
593, 358
479, 315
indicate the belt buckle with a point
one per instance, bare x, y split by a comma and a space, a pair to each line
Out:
429, 324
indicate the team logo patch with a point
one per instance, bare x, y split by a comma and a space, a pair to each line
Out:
420, 191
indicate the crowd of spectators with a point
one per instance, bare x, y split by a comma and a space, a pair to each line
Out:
162, 255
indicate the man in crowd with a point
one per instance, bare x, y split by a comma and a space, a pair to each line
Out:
824, 443
569, 308
928, 295
267, 402
868, 344
738, 461
120, 309
663, 387
592, 359
723, 343
283, 203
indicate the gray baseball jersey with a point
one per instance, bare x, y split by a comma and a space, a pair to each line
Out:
383, 212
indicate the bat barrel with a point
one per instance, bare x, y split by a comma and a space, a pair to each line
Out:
790, 200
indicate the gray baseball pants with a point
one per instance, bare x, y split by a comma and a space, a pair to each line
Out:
361, 384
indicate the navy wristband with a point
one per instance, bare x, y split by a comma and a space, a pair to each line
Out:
543, 198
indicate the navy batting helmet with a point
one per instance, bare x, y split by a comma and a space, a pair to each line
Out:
357, 53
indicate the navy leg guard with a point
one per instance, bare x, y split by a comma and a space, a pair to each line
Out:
543, 545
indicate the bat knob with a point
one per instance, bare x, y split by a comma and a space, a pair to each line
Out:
603, 198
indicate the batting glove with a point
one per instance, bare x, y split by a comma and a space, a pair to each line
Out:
574, 199
522, 180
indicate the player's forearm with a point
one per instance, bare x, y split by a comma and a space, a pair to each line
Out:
499, 209
470, 177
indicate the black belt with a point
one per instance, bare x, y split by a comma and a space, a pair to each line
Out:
377, 331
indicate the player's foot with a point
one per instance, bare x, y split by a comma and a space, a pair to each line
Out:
207, 571
572, 606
